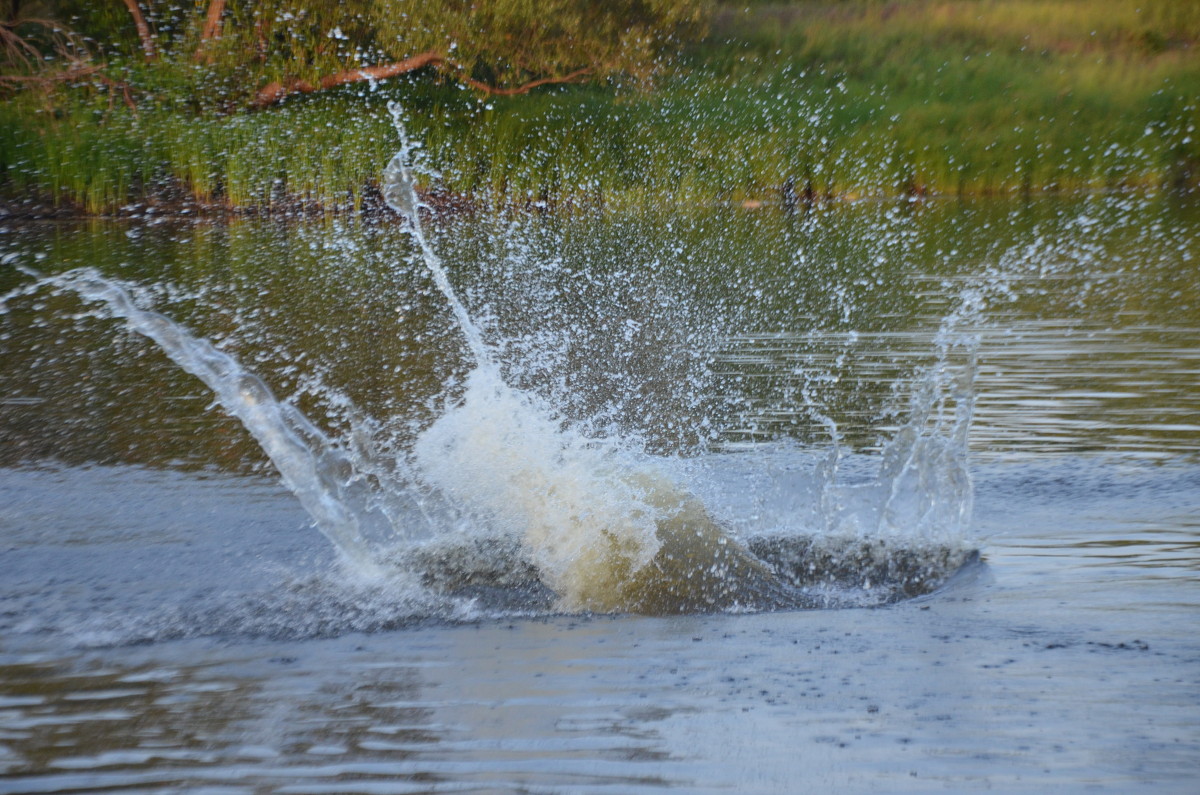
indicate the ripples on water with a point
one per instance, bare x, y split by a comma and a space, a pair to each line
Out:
1045, 386
169, 620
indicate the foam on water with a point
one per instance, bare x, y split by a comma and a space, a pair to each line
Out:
605, 526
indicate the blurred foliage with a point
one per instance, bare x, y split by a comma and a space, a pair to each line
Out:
30, 38
820, 98
502, 44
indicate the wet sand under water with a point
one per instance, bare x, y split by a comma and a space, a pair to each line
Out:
1069, 659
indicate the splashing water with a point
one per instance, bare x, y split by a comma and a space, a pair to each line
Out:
316, 470
608, 531
583, 521
400, 193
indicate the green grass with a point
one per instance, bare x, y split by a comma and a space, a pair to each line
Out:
852, 98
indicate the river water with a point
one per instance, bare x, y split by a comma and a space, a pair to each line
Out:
1012, 610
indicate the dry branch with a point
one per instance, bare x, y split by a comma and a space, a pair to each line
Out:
70, 74
46, 78
212, 27
143, 30
525, 88
275, 91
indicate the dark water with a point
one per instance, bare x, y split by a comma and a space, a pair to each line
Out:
169, 620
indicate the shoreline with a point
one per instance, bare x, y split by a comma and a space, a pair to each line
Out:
777, 105
176, 205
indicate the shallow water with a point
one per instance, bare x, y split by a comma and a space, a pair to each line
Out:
169, 620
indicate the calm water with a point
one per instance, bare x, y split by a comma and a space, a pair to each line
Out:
170, 620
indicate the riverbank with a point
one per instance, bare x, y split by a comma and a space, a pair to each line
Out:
780, 103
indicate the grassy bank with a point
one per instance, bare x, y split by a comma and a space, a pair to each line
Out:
840, 98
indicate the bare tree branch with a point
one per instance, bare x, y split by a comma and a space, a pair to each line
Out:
525, 88
143, 30
124, 88
20, 52
71, 73
275, 91
212, 27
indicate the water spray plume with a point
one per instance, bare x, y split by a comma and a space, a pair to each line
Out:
311, 465
608, 529
400, 193
515, 493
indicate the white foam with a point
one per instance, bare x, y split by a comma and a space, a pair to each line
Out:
583, 507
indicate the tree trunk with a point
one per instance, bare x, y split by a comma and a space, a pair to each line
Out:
212, 27
143, 30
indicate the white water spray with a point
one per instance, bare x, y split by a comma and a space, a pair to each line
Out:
606, 527
597, 520
400, 193
320, 474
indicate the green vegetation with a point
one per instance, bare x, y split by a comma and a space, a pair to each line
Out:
985, 95
838, 98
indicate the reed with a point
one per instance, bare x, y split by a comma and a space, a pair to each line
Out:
845, 99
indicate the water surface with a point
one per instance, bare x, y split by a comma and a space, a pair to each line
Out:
170, 620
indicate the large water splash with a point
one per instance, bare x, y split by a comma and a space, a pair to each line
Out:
606, 528
570, 519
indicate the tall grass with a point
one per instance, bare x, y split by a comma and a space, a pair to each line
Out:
839, 98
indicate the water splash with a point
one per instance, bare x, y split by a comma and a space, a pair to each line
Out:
606, 528
924, 479
400, 193
528, 509
321, 475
